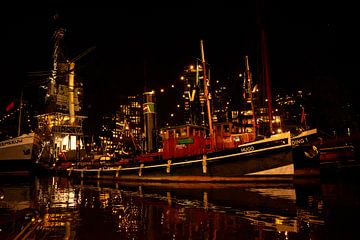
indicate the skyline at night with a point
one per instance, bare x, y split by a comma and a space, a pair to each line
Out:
138, 49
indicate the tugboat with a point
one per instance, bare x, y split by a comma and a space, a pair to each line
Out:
216, 152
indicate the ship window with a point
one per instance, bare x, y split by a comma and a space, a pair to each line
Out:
178, 133
226, 128
218, 129
165, 134
235, 130
171, 134
183, 132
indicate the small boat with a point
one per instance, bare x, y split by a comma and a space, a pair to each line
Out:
332, 154
315, 158
339, 160
17, 154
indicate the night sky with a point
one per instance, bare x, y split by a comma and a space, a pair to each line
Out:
138, 48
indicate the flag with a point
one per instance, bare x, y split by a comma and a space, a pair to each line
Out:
302, 115
10, 106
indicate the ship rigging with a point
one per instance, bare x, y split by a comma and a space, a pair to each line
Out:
61, 125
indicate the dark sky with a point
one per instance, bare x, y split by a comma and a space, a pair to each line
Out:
138, 47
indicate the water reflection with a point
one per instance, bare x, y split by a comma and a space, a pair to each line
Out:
48, 209
57, 208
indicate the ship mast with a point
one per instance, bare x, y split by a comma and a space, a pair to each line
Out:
266, 75
71, 66
206, 93
20, 112
71, 93
249, 89
58, 35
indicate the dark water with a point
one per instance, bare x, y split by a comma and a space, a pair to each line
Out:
59, 208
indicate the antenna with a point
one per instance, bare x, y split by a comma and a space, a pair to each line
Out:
84, 53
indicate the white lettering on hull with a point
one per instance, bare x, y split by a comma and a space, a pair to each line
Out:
297, 142
11, 142
248, 149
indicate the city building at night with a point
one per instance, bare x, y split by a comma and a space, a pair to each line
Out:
293, 108
121, 132
193, 100
130, 119
222, 110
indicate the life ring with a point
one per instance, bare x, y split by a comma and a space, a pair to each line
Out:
312, 153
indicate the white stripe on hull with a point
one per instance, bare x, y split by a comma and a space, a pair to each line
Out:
284, 170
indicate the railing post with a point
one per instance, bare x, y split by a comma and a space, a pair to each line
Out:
204, 167
168, 166
117, 172
140, 169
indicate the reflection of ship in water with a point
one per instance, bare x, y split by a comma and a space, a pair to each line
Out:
246, 207
49, 212
57, 203
16, 198
310, 209
110, 210
342, 200
210, 210
15, 207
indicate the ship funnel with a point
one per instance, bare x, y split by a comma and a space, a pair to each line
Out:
149, 121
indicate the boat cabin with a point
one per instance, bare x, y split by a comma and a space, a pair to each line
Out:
184, 141
228, 136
